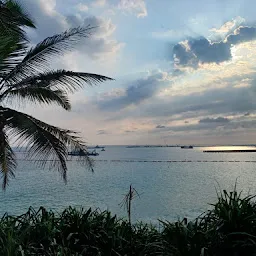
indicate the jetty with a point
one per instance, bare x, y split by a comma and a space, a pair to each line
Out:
231, 151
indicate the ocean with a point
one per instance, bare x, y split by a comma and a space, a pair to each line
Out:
172, 183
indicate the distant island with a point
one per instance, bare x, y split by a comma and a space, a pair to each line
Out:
154, 146
181, 145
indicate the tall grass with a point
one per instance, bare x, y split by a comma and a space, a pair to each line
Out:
229, 228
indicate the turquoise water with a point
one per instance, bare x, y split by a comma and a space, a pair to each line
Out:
168, 190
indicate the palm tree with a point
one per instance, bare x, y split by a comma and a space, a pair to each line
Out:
25, 76
13, 20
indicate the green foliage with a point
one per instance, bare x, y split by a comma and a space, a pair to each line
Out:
13, 40
228, 229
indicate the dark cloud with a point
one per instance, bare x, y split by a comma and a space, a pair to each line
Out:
207, 52
160, 126
241, 125
201, 50
195, 127
183, 57
242, 34
140, 90
214, 120
219, 127
212, 102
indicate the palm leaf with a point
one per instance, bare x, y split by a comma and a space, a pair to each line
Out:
68, 81
7, 160
23, 18
11, 52
13, 18
13, 41
39, 57
40, 95
45, 143
51, 87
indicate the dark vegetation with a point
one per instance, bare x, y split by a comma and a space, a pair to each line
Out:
229, 228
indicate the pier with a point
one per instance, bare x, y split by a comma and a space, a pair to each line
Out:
231, 151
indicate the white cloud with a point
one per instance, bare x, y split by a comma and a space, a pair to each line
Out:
101, 44
47, 19
134, 6
98, 3
227, 28
82, 7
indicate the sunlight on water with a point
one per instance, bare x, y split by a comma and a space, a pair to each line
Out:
229, 148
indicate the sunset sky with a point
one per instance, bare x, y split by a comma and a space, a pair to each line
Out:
184, 70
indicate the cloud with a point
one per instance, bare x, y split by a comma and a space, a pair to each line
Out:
82, 7
160, 126
214, 101
197, 51
47, 19
100, 44
242, 34
139, 91
193, 52
134, 6
212, 125
227, 101
218, 127
98, 3
214, 120
227, 28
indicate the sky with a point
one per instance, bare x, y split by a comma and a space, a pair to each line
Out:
185, 71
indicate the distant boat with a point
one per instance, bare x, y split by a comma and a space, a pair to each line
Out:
82, 153
187, 147
97, 147
103, 149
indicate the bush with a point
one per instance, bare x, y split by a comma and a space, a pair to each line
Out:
229, 228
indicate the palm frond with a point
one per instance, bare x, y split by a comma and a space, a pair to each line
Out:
7, 159
45, 143
23, 18
39, 57
13, 40
40, 95
11, 52
13, 18
67, 81
51, 87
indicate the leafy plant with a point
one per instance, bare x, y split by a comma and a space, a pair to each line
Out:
227, 229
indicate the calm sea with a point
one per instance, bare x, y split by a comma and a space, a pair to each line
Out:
168, 189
